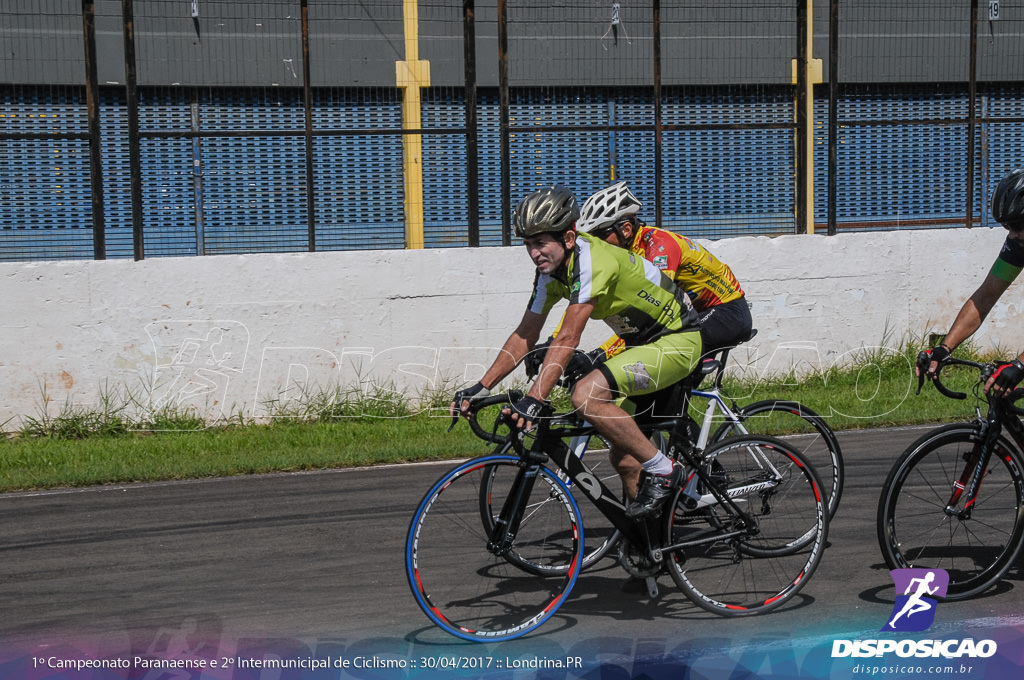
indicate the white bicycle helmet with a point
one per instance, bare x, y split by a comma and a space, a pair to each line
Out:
606, 207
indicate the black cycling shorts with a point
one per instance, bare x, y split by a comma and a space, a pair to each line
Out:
725, 325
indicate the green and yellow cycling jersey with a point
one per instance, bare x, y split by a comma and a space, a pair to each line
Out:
1010, 261
629, 293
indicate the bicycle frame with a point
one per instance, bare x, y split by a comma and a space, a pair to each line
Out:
1000, 415
549, 444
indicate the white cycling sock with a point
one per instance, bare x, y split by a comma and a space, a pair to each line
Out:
659, 465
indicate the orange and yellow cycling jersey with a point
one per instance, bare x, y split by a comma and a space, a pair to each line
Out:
707, 280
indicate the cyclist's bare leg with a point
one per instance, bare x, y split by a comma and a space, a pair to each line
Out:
595, 401
628, 468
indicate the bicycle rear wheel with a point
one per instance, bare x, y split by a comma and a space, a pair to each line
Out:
915, 529
801, 428
733, 568
477, 593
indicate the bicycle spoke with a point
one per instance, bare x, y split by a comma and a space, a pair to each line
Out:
802, 429
467, 589
752, 568
915, 529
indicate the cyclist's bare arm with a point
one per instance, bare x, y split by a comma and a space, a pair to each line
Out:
561, 349
557, 356
519, 343
611, 346
972, 314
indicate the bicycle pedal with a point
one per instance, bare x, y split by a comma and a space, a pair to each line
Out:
652, 587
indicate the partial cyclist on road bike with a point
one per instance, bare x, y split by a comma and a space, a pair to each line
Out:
612, 214
654, 318
1008, 210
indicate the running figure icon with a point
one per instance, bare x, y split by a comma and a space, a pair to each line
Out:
914, 610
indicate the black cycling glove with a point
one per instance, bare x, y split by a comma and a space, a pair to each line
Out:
938, 353
1009, 375
477, 391
582, 363
531, 409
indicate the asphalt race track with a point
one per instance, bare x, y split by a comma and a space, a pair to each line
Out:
311, 565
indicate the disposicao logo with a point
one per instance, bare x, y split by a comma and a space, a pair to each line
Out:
914, 611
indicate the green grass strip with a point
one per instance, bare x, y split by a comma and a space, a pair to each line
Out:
77, 447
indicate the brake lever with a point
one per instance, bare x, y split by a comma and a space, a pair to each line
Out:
923, 359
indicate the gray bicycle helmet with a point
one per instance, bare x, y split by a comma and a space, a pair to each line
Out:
550, 210
1008, 201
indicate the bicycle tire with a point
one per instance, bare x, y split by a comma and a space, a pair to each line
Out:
468, 590
760, 568
801, 427
914, 529
601, 535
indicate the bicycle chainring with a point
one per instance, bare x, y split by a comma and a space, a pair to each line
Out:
637, 564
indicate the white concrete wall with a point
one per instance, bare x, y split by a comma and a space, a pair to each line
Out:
226, 333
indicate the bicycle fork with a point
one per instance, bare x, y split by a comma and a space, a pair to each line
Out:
506, 524
969, 483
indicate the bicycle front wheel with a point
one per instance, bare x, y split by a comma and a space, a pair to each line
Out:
737, 563
477, 592
916, 529
601, 534
801, 428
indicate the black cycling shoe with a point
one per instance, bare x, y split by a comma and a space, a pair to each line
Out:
653, 491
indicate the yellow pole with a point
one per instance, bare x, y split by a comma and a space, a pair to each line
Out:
411, 75
812, 76
809, 78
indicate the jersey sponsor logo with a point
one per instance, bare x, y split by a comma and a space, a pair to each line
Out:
644, 295
660, 261
639, 378
691, 268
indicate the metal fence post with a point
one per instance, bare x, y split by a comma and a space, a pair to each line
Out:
307, 103
658, 122
472, 151
134, 146
972, 95
503, 124
92, 98
804, 121
833, 113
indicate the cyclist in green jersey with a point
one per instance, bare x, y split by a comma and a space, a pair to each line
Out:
643, 306
1008, 210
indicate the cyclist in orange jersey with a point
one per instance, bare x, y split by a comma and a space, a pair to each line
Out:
716, 294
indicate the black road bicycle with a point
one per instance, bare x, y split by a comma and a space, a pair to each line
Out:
792, 422
497, 543
953, 499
